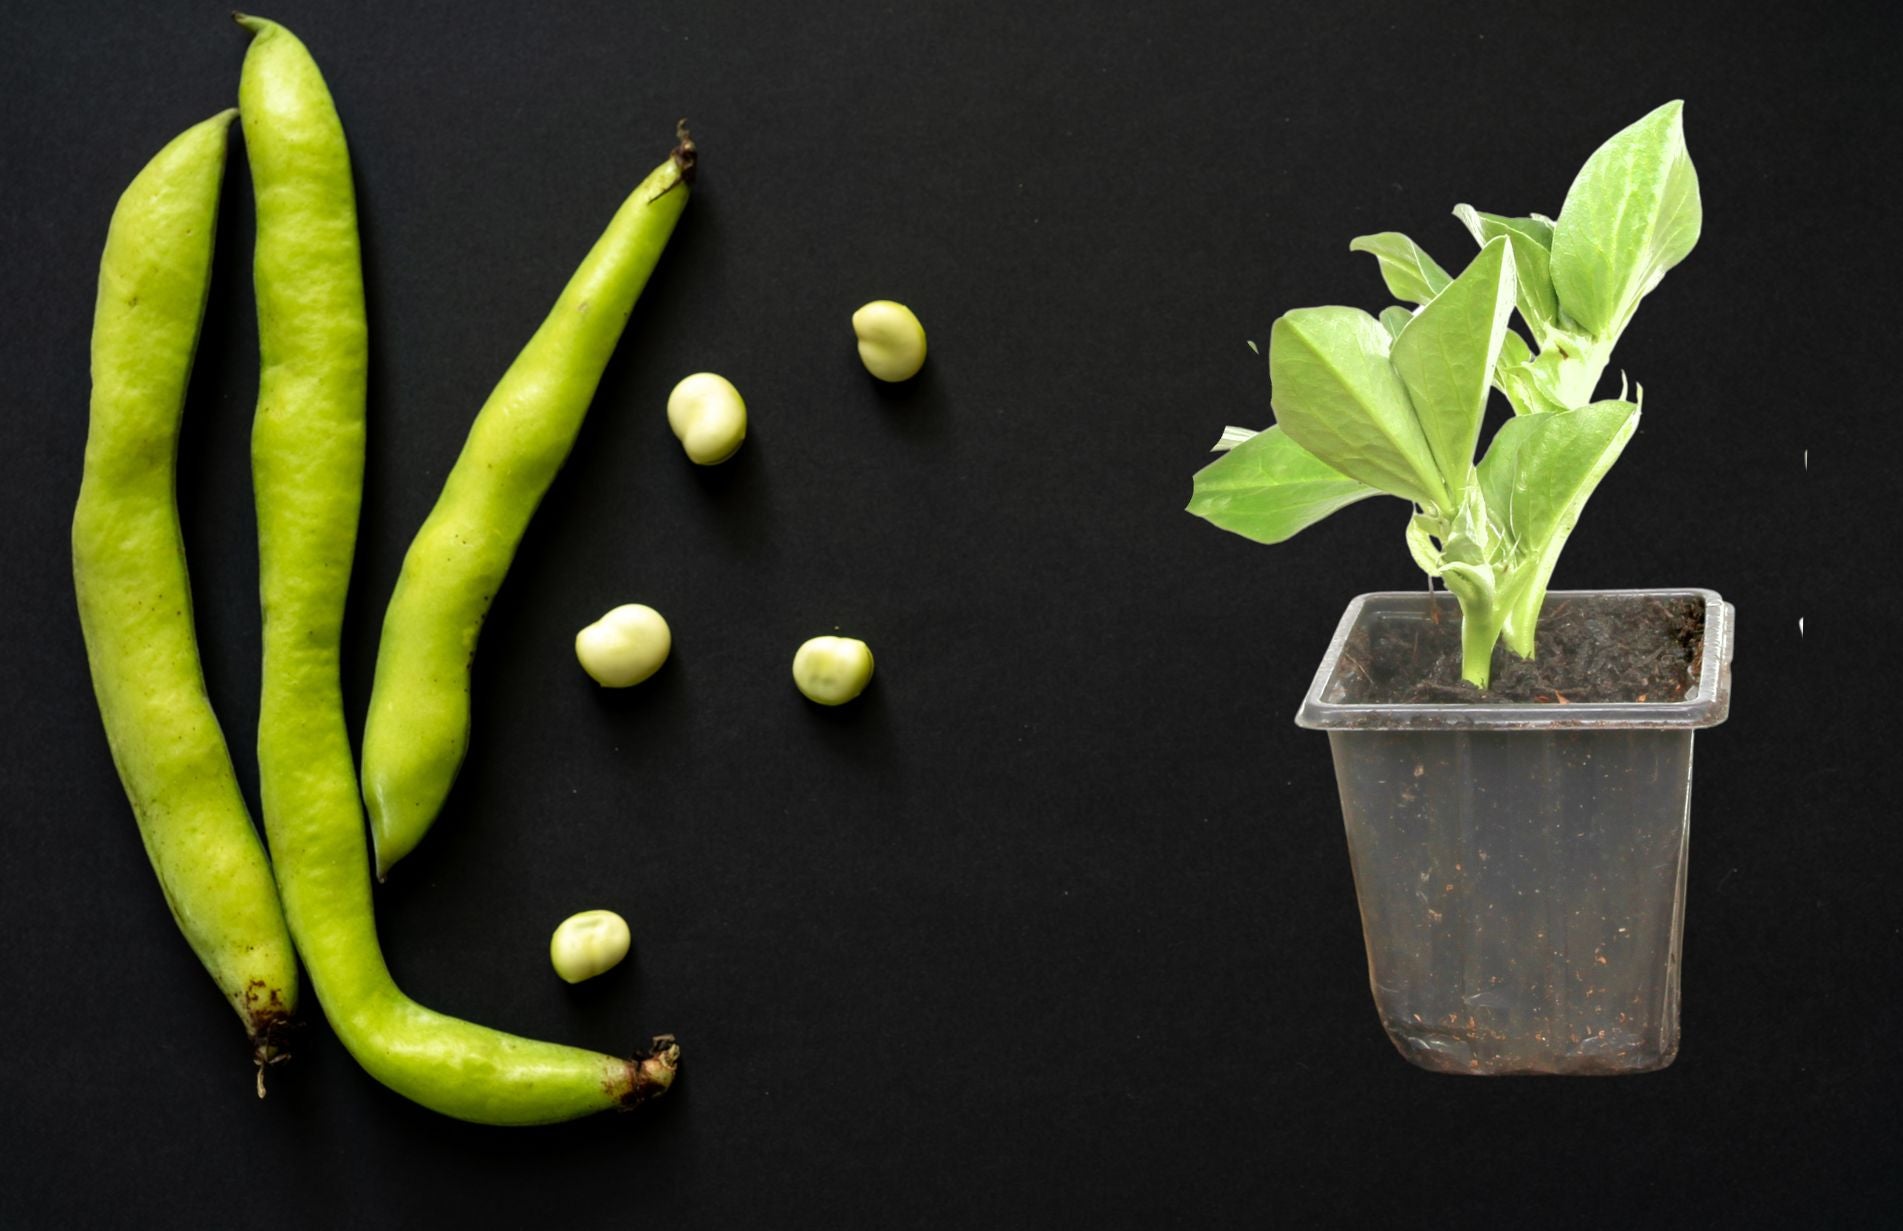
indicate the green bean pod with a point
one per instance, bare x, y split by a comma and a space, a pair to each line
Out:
307, 464
418, 727
135, 597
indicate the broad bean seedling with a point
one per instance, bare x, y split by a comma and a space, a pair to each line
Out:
1368, 406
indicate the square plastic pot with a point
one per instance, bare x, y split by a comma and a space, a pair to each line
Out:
1521, 867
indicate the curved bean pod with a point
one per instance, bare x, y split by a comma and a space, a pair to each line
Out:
135, 597
307, 464
418, 728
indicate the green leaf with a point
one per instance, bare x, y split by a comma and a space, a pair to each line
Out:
1541, 468
1471, 538
1632, 214
1545, 382
1268, 487
1394, 319
1514, 350
1337, 396
1536, 227
1411, 275
1421, 532
1526, 389
1446, 354
1532, 241
1537, 477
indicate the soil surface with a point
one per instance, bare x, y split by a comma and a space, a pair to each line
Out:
1587, 649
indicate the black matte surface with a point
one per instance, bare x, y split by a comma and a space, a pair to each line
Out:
1055, 927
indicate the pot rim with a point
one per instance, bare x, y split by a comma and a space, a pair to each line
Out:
1707, 705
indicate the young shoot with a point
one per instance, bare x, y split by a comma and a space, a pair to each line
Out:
1393, 405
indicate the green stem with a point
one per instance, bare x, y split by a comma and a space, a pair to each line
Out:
1579, 378
1481, 615
1525, 594
1477, 639
1523, 619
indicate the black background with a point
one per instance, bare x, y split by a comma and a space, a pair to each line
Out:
1055, 926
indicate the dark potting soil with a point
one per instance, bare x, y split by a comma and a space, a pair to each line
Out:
1607, 648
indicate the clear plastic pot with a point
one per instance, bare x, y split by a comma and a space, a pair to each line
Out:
1521, 867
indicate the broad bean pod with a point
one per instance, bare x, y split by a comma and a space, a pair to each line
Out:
135, 597
418, 728
307, 465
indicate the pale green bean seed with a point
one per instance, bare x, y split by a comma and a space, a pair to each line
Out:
891, 341
588, 944
708, 416
624, 647
832, 670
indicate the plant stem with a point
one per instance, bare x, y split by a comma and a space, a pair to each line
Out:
1481, 615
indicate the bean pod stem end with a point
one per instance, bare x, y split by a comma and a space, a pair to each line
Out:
270, 1029
649, 1076
685, 153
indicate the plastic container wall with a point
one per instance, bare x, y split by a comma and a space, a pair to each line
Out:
1521, 893
1521, 868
